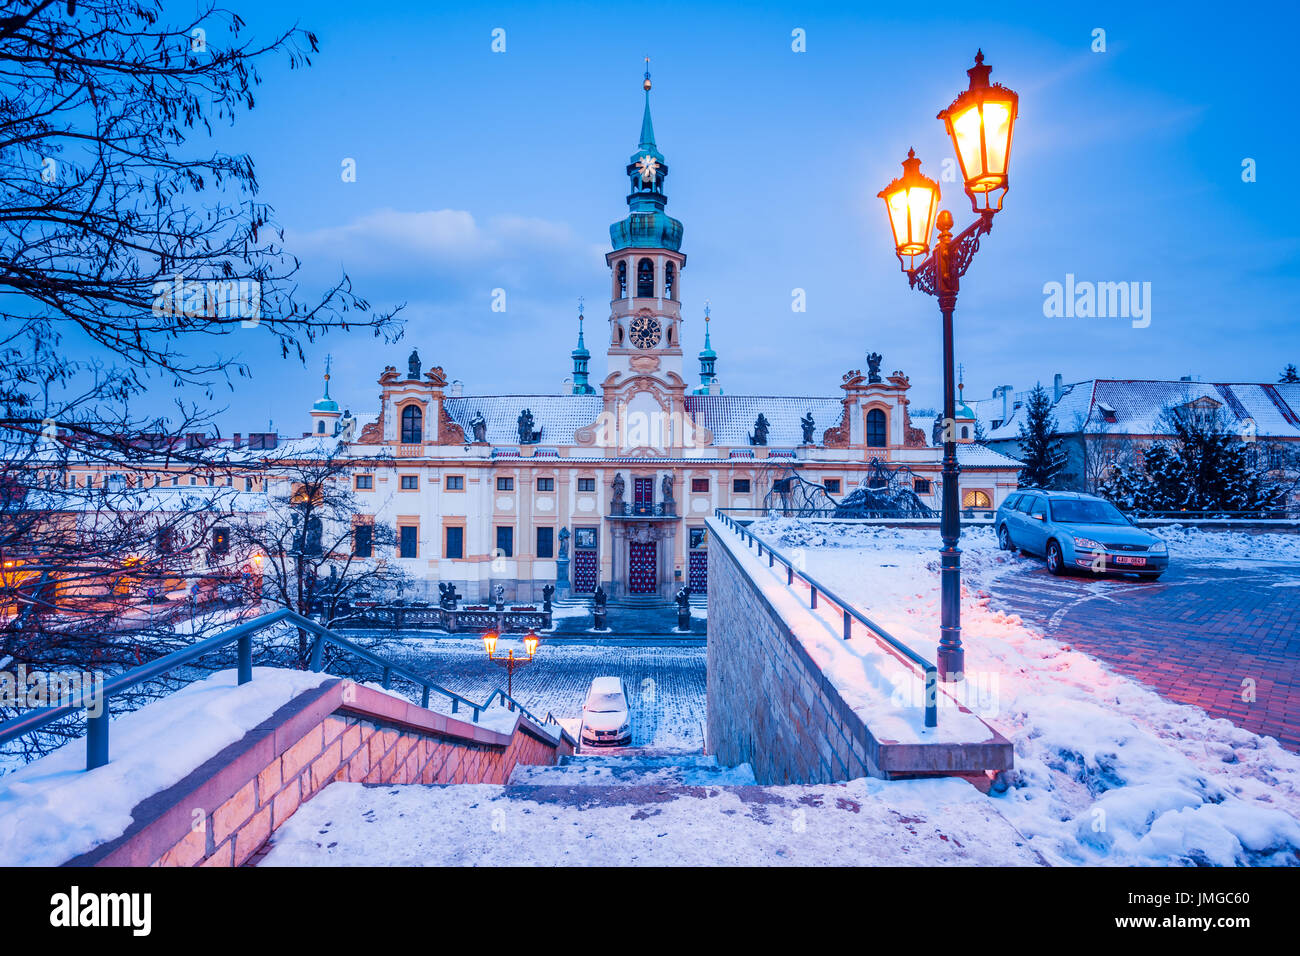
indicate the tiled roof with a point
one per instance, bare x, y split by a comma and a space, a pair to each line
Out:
981, 456
730, 417
1138, 405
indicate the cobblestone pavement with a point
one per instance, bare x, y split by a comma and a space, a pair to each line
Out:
666, 683
1208, 633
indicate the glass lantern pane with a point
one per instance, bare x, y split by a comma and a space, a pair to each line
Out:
966, 132
897, 203
920, 202
997, 136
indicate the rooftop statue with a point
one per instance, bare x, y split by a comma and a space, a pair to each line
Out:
873, 367
478, 425
761, 426
807, 424
413, 365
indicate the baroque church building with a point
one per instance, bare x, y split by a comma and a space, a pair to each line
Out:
610, 485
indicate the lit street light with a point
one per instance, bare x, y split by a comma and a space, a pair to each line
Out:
510, 662
980, 122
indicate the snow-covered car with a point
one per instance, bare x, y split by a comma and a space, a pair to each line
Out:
1074, 531
606, 717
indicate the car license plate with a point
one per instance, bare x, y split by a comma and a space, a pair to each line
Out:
1125, 559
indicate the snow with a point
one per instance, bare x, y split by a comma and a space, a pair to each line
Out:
1107, 771
54, 809
863, 822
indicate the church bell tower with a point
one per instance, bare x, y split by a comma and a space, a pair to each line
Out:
645, 264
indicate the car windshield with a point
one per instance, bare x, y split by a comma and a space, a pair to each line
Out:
1082, 511
605, 703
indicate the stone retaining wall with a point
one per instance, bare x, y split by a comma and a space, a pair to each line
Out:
227, 809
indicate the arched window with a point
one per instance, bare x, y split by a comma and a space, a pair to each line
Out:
622, 280
976, 499
669, 274
645, 279
965, 431
876, 429
320, 428
412, 425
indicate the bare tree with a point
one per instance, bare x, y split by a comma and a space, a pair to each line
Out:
320, 552
1100, 449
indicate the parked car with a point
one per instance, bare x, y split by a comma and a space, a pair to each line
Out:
606, 717
1074, 531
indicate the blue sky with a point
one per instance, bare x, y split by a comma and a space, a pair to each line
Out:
479, 170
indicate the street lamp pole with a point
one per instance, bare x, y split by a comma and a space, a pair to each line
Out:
510, 662
980, 122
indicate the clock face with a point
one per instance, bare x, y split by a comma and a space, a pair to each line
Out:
644, 332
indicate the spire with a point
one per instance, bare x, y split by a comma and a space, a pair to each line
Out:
325, 403
708, 360
647, 127
580, 357
646, 224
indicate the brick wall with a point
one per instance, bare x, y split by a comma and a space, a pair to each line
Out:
224, 812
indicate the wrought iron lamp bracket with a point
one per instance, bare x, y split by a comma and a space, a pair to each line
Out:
940, 274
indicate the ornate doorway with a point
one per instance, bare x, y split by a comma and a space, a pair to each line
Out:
643, 496
642, 567
585, 560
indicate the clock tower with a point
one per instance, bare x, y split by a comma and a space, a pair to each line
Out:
645, 323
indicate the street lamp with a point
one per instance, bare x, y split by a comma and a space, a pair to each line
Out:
510, 662
980, 122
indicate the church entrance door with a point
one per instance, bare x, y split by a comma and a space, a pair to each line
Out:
641, 567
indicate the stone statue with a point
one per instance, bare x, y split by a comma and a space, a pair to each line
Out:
618, 491
548, 592
760, 430
478, 425
413, 365
667, 486
447, 596
500, 593
564, 543
599, 597
873, 367
525, 422
807, 424
684, 597
346, 428
936, 433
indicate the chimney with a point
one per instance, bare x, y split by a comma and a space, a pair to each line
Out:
1058, 387
235, 442
193, 440
1003, 391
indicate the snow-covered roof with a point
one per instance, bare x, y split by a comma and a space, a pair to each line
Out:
729, 417
981, 456
1138, 404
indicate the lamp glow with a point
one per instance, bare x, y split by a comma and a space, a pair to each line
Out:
980, 122
912, 202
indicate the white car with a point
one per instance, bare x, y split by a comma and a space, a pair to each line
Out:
606, 718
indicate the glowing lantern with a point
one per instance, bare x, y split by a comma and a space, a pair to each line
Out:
980, 122
490, 642
912, 201
530, 643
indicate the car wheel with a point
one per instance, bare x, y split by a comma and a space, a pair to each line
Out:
1055, 562
1004, 539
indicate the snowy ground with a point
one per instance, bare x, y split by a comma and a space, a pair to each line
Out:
863, 822
1107, 771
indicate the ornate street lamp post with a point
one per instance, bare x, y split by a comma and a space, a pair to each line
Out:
980, 123
510, 662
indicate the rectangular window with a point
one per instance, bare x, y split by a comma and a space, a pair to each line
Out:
410, 482
505, 542
455, 547
363, 539
700, 485
455, 482
832, 485
365, 482
586, 484
220, 540
505, 484
545, 484
921, 486
740, 486
546, 542
408, 541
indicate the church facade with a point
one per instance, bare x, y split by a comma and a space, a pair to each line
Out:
610, 485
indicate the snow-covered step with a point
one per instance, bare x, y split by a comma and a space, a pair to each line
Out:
631, 775
643, 758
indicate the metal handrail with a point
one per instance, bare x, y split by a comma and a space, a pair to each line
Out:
242, 636
850, 613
